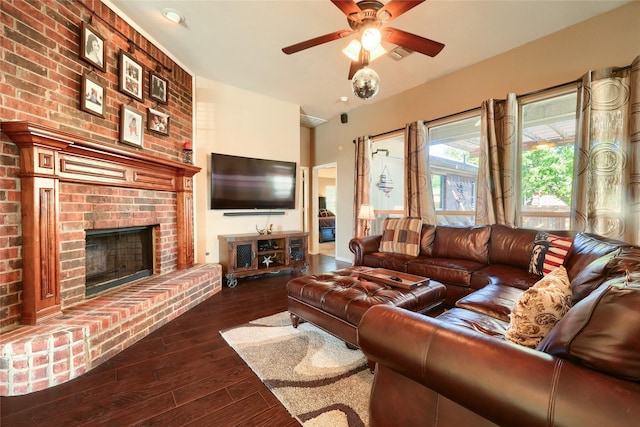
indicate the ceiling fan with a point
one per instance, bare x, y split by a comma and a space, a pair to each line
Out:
368, 18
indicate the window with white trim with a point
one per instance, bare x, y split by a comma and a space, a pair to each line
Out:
547, 144
454, 150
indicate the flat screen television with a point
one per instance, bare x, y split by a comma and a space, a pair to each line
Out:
248, 183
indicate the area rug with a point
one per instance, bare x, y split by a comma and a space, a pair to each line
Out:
316, 377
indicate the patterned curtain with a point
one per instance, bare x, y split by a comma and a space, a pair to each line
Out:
418, 190
362, 182
607, 166
496, 201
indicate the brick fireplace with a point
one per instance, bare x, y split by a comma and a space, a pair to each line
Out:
72, 187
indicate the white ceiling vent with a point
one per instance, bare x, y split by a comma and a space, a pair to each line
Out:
399, 52
310, 121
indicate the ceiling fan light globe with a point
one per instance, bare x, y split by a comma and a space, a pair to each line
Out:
352, 51
365, 83
371, 38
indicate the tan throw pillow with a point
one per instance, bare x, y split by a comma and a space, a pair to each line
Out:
401, 236
539, 308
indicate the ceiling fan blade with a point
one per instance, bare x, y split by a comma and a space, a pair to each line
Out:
412, 41
316, 41
353, 68
349, 8
395, 8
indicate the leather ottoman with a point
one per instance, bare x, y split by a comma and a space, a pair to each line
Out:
337, 301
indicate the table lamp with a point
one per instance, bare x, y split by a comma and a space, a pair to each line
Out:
367, 214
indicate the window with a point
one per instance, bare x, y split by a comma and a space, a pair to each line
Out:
454, 149
547, 141
386, 192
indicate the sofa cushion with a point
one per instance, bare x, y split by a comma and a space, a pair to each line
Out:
548, 253
584, 250
539, 308
493, 300
501, 274
427, 237
487, 325
602, 330
395, 262
626, 261
401, 236
470, 243
592, 276
511, 246
455, 271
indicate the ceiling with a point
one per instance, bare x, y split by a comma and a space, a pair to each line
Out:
239, 42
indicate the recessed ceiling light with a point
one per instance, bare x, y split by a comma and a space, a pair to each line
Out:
172, 15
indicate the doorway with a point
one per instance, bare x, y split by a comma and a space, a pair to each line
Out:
324, 209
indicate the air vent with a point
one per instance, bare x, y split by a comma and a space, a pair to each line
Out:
400, 52
310, 121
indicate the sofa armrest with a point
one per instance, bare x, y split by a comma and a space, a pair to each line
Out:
497, 380
363, 245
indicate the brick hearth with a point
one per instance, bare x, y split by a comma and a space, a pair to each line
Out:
33, 358
70, 184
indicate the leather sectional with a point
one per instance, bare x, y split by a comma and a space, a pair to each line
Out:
458, 368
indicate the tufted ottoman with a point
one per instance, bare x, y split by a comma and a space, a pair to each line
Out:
337, 301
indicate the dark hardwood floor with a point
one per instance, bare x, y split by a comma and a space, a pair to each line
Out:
183, 374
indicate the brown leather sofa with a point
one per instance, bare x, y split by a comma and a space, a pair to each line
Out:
458, 369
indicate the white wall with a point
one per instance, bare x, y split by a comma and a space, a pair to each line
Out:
611, 39
238, 122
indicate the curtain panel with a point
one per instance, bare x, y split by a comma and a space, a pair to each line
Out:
418, 190
496, 197
362, 182
606, 189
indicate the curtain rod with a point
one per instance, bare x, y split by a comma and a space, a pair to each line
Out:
535, 92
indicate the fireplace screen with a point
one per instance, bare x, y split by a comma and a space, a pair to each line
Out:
117, 256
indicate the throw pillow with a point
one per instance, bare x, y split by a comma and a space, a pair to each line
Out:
549, 252
539, 308
601, 331
401, 236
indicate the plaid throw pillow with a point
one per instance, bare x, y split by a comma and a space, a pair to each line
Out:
401, 236
549, 252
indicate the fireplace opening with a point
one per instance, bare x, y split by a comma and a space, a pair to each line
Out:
115, 257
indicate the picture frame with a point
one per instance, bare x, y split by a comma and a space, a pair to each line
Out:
130, 76
92, 96
92, 47
131, 126
157, 121
158, 88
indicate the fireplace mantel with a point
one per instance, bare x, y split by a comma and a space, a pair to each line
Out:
49, 156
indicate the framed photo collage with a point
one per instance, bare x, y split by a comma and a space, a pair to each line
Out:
130, 82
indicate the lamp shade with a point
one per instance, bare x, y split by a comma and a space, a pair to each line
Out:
366, 212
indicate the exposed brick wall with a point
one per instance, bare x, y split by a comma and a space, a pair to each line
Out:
10, 235
40, 81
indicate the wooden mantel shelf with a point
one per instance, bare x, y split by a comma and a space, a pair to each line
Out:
84, 160
49, 156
